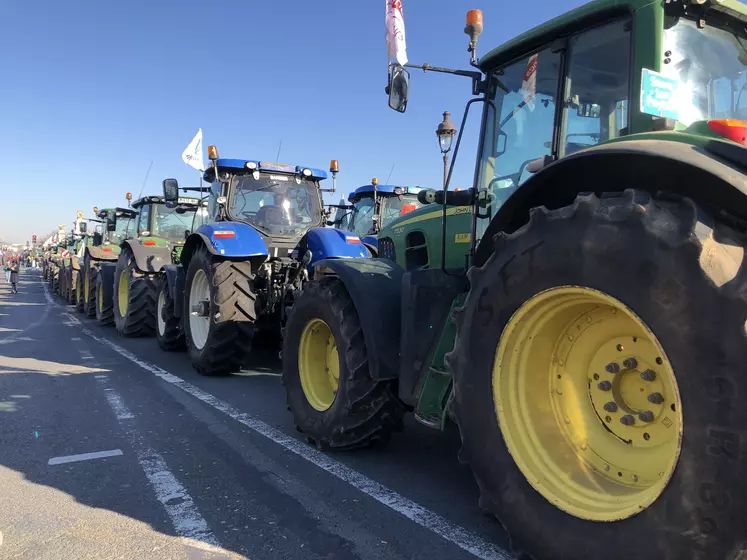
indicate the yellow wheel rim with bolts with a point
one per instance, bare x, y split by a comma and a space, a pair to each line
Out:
319, 365
123, 293
588, 403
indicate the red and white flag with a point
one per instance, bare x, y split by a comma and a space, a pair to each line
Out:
529, 83
395, 31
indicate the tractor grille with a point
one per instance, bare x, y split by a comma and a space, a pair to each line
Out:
386, 249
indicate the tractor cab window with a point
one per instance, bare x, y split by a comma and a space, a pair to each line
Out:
597, 86
144, 219
361, 218
395, 206
519, 132
202, 215
276, 205
710, 65
171, 223
121, 227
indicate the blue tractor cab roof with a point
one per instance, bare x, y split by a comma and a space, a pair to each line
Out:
266, 166
382, 189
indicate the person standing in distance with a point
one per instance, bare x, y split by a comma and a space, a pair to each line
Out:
14, 277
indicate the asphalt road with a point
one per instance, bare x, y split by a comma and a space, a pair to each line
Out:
111, 448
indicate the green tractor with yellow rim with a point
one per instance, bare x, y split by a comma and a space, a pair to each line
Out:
153, 239
102, 248
581, 312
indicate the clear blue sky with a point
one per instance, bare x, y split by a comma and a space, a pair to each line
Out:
94, 91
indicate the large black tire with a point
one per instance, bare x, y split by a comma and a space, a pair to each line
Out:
104, 302
168, 327
61, 285
363, 410
80, 297
71, 286
684, 275
139, 317
231, 314
89, 297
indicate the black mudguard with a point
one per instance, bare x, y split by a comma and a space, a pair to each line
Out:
174, 275
148, 259
375, 286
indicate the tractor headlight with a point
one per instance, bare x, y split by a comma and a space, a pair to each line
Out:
251, 165
306, 172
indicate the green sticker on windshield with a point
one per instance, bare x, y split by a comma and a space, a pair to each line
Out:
658, 95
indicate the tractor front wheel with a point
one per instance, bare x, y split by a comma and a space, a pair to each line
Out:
329, 389
79, 293
168, 328
134, 298
598, 367
219, 313
104, 302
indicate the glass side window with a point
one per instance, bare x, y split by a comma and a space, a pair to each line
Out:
598, 85
144, 220
520, 129
710, 65
202, 215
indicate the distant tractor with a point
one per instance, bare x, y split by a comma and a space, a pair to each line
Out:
151, 240
103, 248
246, 258
581, 312
373, 207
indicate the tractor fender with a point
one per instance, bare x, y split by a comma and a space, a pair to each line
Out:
245, 243
327, 243
106, 273
375, 286
713, 176
148, 259
372, 244
174, 277
101, 254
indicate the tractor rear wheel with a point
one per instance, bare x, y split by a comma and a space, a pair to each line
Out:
104, 302
79, 293
88, 293
219, 313
329, 389
168, 328
134, 298
598, 367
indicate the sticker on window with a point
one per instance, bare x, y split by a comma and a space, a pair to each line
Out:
279, 177
658, 95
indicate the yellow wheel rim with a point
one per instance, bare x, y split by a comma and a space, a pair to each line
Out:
123, 293
588, 403
100, 298
319, 365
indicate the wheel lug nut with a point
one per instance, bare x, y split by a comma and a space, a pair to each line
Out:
610, 406
655, 398
612, 367
627, 420
604, 385
646, 416
630, 363
648, 375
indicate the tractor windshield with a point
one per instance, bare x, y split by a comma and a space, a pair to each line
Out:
392, 207
120, 232
277, 205
172, 223
711, 67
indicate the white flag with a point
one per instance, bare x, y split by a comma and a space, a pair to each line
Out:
395, 31
192, 155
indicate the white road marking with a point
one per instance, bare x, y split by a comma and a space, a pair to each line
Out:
100, 376
179, 505
424, 517
84, 457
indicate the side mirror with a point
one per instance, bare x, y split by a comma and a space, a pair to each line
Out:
501, 142
398, 88
111, 225
83, 227
170, 192
187, 233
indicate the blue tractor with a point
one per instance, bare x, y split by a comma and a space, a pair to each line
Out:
372, 207
245, 258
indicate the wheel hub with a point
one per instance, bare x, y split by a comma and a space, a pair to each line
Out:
201, 309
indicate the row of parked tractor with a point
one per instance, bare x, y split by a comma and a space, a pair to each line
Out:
202, 274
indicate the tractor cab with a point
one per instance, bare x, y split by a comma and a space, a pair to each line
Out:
158, 224
373, 206
116, 223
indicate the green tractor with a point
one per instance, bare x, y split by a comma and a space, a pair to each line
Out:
581, 312
55, 259
69, 263
103, 247
152, 239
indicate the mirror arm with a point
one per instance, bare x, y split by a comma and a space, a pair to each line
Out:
478, 84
